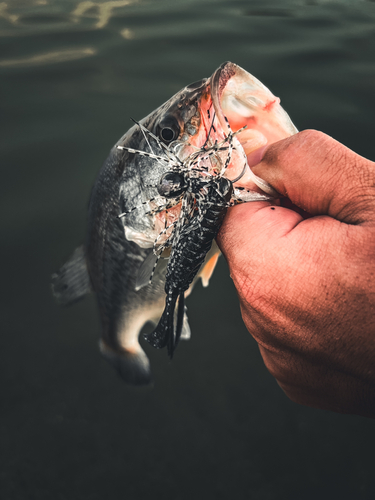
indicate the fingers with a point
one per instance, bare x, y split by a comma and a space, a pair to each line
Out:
285, 269
251, 226
252, 239
306, 286
315, 384
321, 176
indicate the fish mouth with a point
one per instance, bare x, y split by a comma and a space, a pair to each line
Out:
241, 99
223, 104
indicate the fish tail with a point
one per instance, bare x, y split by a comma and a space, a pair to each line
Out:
164, 332
132, 366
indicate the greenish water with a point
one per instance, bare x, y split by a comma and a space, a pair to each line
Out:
216, 425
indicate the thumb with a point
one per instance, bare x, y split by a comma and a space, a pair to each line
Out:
252, 241
321, 176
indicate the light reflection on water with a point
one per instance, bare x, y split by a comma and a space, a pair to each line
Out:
49, 57
44, 15
104, 10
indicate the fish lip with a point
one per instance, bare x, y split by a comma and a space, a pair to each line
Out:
218, 82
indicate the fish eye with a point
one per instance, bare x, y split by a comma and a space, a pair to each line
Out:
171, 185
167, 134
169, 129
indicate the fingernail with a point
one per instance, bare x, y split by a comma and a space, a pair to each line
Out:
256, 156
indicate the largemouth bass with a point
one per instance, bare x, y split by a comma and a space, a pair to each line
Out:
161, 183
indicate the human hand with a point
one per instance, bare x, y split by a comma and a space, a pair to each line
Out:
307, 286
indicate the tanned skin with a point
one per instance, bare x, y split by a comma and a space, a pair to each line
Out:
307, 286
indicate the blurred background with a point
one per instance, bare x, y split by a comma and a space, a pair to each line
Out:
215, 425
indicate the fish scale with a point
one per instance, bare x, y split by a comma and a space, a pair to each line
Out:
117, 252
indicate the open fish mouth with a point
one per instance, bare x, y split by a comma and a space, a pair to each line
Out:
240, 99
244, 100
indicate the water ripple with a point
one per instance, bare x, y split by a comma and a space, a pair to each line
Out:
49, 57
104, 10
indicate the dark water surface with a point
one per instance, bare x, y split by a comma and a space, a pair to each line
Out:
216, 425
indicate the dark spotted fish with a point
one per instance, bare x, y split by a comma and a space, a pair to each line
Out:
119, 252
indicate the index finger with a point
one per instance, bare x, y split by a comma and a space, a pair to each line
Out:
321, 176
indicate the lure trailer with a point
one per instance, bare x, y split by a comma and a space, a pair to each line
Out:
205, 195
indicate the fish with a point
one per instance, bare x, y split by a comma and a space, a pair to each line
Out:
137, 231
199, 185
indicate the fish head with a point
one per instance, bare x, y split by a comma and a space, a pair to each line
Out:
169, 133
232, 108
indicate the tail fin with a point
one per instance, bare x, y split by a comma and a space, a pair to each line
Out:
133, 367
164, 334
71, 282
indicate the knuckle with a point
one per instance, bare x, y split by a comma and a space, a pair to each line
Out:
357, 182
318, 144
312, 136
360, 172
323, 147
312, 143
367, 175
349, 175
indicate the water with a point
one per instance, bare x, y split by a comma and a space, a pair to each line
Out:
216, 425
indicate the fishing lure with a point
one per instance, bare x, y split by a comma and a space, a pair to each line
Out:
199, 184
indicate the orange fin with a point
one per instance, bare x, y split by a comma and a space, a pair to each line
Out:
208, 269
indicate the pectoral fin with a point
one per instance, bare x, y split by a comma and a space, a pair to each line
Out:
145, 271
72, 282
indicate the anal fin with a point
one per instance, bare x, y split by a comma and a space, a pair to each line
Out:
208, 269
